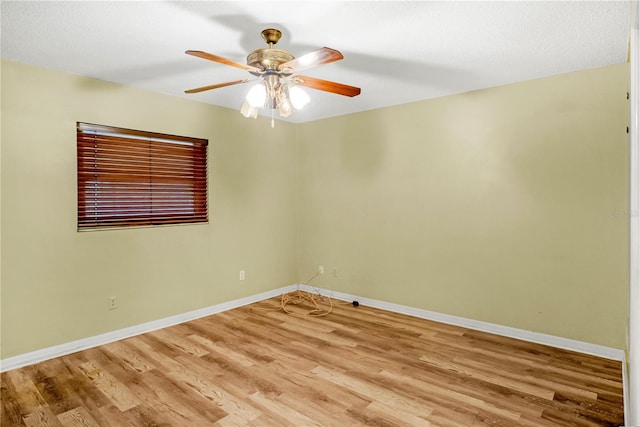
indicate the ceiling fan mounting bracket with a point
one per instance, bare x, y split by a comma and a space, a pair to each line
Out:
271, 36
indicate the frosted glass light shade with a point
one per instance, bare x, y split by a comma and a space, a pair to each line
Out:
298, 97
257, 96
248, 111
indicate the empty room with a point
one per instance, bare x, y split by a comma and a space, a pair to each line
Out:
337, 213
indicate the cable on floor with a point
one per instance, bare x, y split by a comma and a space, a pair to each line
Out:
299, 297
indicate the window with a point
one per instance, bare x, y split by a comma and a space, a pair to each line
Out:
134, 178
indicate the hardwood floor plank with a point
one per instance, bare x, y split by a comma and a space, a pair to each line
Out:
57, 384
383, 411
520, 376
24, 391
535, 368
172, 338
234, 406
456, 398
281, 412
175, 402
323, 408
490, 378
81, 389
569, 419
10, 410
258, 366
113, 389
129, 356
147, 346
140, 416
77, 417
223, 351
375, 393
41, 417
265, 421
363, 416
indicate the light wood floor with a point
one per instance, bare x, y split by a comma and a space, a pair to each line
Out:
255, 366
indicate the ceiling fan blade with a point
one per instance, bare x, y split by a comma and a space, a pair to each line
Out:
216, 86
221, 60
321, 56
327, 86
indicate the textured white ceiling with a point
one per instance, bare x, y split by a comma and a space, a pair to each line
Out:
396, 51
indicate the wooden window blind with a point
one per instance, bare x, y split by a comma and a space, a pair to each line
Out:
135, 178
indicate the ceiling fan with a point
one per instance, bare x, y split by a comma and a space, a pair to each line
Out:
277, 72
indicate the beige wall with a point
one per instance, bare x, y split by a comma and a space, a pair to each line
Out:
505, 205
56, 281
498, 205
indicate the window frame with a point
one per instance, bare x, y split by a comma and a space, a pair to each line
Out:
132, 178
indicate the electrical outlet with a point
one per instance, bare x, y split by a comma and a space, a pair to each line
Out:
334, 272
321, 269
113, 303
241, 274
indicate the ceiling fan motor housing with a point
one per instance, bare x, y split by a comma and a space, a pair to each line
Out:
268, 59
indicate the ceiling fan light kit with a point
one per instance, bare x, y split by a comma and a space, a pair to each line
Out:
279, 84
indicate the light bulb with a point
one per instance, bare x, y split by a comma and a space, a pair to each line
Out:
298, 97
257, 96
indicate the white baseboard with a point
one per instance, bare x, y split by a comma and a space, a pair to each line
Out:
535, 337
83, 344
86, 343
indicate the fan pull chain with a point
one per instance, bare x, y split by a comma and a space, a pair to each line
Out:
273, 123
